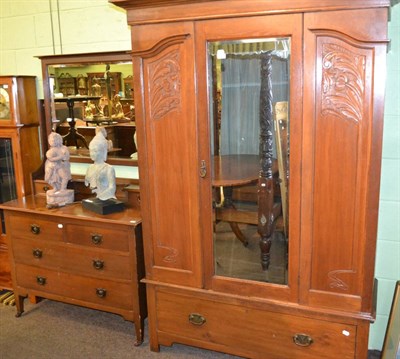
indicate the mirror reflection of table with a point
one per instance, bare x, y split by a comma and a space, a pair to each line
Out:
85, 152
231, 171
73, 134
235, 170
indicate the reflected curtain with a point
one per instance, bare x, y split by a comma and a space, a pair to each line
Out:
241, 86
240, 105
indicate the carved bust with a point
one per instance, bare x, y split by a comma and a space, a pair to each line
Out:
100, 176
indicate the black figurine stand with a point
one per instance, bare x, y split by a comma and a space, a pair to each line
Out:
103, 206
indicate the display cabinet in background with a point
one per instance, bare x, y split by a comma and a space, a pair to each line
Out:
67, 84
284, 99
82, 86
128, 86
20, 150
100, 79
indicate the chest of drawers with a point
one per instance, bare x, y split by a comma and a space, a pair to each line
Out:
78, 257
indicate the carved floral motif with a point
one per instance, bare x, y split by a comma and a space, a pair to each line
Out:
336, 282
171, 256
343, 82
165, 85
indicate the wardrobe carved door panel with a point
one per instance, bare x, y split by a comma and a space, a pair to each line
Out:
167, 137
339, 148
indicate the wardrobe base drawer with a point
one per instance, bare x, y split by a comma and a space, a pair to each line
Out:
103, 292
249, 332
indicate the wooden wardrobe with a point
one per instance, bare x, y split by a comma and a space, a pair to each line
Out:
310, 291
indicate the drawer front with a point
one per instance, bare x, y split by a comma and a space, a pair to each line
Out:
134, 199
97, 236
5, 269
257, 333
41, 187
32, 226
96, 291
86, 261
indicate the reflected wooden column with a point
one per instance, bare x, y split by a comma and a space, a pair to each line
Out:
265, 181
216, 122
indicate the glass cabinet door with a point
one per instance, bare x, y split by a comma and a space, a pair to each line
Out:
7, 176
252, 85
8, 189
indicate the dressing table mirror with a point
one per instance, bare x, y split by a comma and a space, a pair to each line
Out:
97, 89
83, 92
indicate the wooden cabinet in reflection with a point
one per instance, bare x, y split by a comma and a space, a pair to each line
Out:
82, 84
97, 83
128, 86
67, 84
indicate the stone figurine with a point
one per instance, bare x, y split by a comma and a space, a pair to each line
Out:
58, 172
134, 155
100, 176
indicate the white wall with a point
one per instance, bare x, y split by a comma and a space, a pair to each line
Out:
387, 268
29, 28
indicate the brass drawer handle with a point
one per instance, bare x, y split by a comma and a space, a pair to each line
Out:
35, 229
46, 188
97, 238
100, 292
196, 319
98, 264
302, 340
40, 280
37, 253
